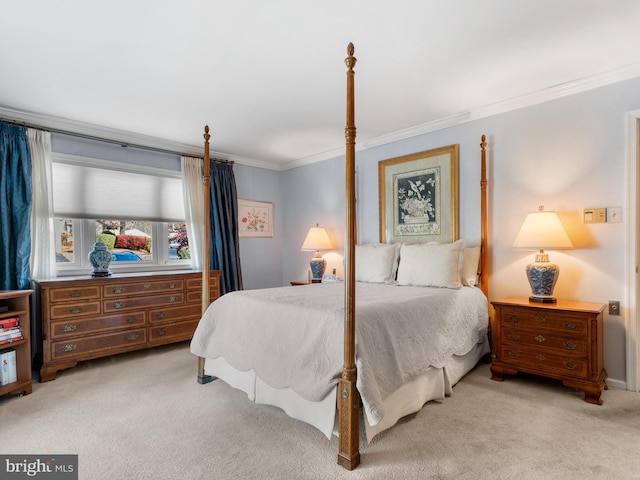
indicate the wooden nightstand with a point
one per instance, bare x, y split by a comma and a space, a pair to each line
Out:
295, 284
561, 340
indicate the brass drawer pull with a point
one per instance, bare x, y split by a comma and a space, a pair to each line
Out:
133, 336
118, 305
75, 294
147, 285
514, 355
69, 327
173, 299
118, 290
540, 338
570, 365
514, 319
131, 319
69, 347
172, 285
570, 345
570, 325
75, 310
540, 319
514, 337
162, 331
162, 315
541, 357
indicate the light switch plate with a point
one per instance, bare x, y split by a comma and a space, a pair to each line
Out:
614, 215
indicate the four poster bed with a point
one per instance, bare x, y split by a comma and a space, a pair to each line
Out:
301, 349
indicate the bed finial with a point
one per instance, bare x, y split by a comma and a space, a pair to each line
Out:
206, 133
350, 61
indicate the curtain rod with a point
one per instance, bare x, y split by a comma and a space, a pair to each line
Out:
106, 140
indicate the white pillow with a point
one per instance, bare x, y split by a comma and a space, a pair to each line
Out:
377, 263
469, 272
431, 265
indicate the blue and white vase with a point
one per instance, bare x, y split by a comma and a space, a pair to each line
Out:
100, 258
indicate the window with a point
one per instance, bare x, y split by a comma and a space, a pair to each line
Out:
136, 211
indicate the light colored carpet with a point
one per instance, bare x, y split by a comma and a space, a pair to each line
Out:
144, 416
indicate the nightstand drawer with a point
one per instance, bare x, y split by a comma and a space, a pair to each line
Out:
527, 318
577, 346
545, 361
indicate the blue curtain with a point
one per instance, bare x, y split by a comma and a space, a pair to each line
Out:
15, 207
225, 251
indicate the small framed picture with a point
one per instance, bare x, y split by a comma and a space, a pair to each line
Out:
327, 277
255, 219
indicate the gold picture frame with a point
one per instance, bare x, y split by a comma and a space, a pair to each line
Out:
418, 197
255, 219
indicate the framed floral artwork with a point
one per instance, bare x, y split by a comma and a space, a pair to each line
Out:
255, 219
418, 196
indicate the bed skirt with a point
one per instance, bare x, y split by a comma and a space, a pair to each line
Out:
434, 384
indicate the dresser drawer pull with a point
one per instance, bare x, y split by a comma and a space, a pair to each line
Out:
118, 305
514, 319
540, 319
570, 345
541, 357
514, 355
147, 285
75, 310
540, 338
162, 331
570, 365
75, 294
162, 315
131, 319
570, 325
514, 337
172, 285
69, 347
173, 299
133, 336
69, 327
118, 290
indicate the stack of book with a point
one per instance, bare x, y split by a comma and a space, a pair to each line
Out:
10, 330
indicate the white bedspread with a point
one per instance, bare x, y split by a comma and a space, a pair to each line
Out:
294, 336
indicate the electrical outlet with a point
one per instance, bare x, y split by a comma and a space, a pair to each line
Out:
614, 307
614, 214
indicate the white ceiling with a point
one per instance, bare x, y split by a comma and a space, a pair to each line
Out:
268, 76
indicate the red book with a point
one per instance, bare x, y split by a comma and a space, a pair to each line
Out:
9, 322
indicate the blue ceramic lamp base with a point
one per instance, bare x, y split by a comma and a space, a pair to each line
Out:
542, 278
318, 265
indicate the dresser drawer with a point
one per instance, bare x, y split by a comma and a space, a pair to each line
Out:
122, 341
568, 344
196, 283
543, 361
528, 318
74, 294
111, 306
195, 296
171, 314
74, 310
172, 333
70, 328
142, 288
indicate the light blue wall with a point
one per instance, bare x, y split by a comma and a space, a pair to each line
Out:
567, 154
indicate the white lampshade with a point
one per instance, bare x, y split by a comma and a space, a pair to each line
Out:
542, 230
317, 239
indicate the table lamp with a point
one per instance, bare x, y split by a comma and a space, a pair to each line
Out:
317, 239
542, 230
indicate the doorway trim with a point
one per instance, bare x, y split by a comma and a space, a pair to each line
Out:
633, 293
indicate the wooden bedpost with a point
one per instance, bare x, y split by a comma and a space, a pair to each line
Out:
484, 272
202, 378
348, 396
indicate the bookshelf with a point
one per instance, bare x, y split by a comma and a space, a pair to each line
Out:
17, 302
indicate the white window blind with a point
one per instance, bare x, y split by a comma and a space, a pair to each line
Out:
115, 190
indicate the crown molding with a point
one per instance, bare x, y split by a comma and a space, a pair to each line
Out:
64, 125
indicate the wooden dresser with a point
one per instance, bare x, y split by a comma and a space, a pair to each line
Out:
561, 340
84, 318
